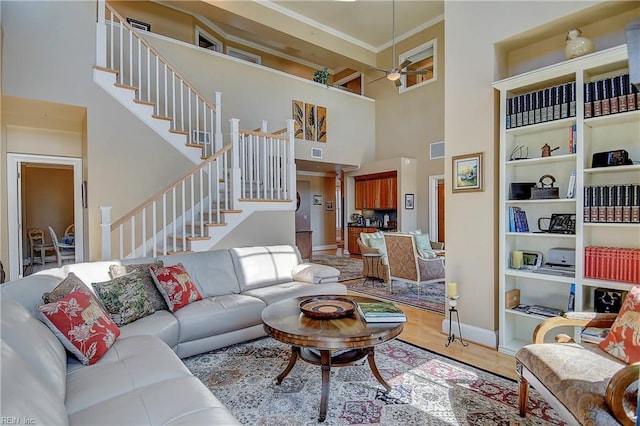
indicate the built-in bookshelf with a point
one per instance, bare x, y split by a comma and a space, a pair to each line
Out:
571, 114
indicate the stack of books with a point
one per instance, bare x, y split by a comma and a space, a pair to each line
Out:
612, 264
612, 203
594, 334
518, 220
380, 312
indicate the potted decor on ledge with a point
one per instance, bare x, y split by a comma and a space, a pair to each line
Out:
321, 76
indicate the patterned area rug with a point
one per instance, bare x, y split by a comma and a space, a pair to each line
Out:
350, 268
427, 389
432, 296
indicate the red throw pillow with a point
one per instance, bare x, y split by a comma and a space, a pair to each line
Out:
81, 324
175, 285
623, 341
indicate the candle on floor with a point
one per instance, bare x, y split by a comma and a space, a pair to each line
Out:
452, 290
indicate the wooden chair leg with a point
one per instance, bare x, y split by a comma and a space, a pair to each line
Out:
523, 395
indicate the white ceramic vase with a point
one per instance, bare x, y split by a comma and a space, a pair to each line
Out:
577, 45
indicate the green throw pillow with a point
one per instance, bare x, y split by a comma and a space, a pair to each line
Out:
124, 298
378, 243
422, 241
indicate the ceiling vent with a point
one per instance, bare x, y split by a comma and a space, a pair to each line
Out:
436, 150
316, 152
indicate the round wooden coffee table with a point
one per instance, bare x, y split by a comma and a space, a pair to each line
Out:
351, 336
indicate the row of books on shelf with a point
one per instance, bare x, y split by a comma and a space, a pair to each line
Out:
518, 220
544, 311
601, 97
612, 263
612, 203
380, 312
610, 96
548, 104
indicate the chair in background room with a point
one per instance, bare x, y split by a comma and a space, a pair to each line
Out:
63, 251
70, 231
37, 245
406, 264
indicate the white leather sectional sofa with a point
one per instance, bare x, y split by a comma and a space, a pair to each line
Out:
141, 380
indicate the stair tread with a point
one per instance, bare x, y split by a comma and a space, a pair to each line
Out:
111, 70
161, 117
264, 200
141, 102
178, 132
124, 86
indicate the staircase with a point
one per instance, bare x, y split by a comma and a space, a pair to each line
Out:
253, 171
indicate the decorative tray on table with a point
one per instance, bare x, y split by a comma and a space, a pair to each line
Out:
327, 307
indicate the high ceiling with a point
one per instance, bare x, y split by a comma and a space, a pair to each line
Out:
330, 33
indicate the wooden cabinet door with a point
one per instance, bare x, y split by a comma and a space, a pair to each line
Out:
361, 194
373, 194
353, 235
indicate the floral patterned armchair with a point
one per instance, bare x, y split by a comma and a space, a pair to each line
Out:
585, 384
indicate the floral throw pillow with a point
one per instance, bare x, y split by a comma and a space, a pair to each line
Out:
81, 324
124, 298
175, 285
623, 341
142, 270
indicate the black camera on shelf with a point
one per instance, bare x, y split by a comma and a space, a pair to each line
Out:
618, 157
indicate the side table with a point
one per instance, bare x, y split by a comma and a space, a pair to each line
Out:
373, 267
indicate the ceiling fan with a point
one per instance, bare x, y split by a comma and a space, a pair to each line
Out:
395, 73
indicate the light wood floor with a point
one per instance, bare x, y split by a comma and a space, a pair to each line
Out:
423, 328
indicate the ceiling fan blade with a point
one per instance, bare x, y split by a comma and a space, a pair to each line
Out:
414, 72
405, 64
379, 69
398, 83
379, 78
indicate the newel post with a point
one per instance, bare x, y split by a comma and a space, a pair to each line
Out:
105, 227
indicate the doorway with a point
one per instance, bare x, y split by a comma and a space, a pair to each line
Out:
436, 207
42, 191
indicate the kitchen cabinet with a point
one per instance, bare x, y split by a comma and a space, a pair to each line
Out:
376, 192
353, 234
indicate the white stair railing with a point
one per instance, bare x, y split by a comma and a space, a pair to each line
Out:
156, 82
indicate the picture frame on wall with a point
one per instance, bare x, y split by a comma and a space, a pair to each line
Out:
408, 201
317, 200
329, 206
139, 25
467, 172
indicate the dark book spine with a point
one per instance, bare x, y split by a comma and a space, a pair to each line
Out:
532, 107
550, 94
544, 105
564, 100
588, 99
557, 101
635, 204
572, 98
508, 109
604, 203
537, 115
587, 204
595, 203
632, 94
628, 201
615, 85
606, 97
518, 110
611, 202
597, 98
525, 108
623, 89
617, 210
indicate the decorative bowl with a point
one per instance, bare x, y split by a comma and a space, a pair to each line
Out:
327, 307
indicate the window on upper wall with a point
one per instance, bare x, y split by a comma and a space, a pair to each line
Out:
245, 56
207, 41
423, 59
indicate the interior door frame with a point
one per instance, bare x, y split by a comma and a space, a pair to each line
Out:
433, 206
14, 203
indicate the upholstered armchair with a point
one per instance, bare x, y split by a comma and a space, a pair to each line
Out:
380, 264
405, 263
583, 383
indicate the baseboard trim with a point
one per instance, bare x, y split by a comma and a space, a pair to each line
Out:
327, 247
472, 333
